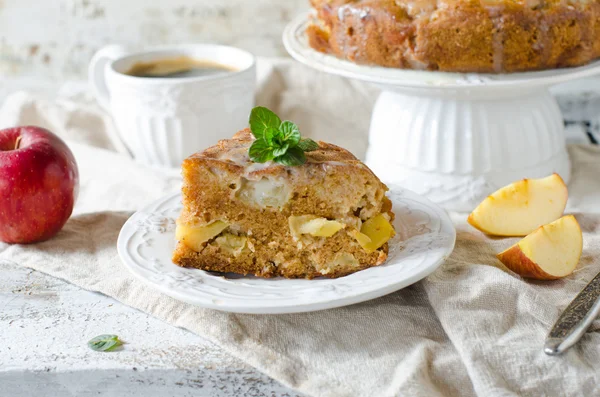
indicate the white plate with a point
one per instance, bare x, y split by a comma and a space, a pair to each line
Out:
424, 240
296, 43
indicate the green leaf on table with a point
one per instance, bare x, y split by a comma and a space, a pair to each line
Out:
104, 343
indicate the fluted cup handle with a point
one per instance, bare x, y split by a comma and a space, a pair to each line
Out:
97, 71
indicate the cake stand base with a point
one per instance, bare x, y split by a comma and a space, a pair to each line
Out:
457, 147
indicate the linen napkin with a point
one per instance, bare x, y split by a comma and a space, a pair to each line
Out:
471, 328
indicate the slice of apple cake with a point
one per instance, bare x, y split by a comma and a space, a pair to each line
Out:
324, 215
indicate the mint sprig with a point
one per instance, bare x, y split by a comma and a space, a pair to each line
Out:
276, 140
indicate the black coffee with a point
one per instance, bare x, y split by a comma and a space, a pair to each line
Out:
177, 67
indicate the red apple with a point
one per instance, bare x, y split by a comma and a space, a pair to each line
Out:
39, 182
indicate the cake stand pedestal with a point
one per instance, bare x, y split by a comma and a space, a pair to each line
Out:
456, 137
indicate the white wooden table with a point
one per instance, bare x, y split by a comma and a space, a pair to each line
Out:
45, 324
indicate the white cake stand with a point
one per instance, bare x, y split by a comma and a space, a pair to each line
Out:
456, 137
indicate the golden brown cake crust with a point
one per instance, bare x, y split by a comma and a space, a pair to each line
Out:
257, 200
487, 36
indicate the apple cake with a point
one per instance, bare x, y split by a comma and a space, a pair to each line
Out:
327, 217
488, 36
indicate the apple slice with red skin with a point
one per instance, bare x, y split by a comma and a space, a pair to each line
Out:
549, 253
39, 183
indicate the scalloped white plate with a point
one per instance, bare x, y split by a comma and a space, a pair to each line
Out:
425, 238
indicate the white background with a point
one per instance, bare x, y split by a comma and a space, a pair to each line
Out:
44, 42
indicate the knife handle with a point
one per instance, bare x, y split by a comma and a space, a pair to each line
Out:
575, 320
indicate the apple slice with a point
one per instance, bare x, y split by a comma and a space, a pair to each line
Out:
374, 233
194, 235
549, 253
521, 207
313, 225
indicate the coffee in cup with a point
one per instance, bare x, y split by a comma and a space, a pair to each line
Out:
181, 66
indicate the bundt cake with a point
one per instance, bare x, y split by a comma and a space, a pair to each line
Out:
486, 36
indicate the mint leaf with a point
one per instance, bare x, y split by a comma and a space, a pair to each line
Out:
294, 156
280, 151
291, 133
308, 145
260, 151
274, 137
261, 120
104, 343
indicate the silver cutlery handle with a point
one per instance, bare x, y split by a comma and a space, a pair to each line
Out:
575, 320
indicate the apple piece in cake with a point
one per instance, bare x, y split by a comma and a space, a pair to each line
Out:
327, 217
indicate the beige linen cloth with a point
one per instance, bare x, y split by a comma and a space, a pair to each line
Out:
471, 328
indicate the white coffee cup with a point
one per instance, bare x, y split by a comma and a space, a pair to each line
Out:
163, 120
